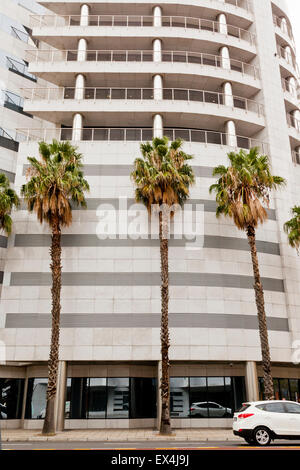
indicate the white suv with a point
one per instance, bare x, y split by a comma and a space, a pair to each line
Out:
262, 421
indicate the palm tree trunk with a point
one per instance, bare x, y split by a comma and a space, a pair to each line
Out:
49, 427
165, 424
262, 321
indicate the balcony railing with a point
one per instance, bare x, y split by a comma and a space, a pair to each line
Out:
285, 28
19, 68
198, 58
173, 94
136, 21
122, 134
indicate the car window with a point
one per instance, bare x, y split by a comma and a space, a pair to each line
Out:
292, 408
274, 407
214, 405
244, 407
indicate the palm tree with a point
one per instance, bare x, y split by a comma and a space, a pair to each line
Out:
162, 177
292, 228
8, 200
55, 181
241, 191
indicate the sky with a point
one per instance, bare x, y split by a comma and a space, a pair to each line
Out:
294, 15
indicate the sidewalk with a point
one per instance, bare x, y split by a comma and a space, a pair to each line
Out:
120, 435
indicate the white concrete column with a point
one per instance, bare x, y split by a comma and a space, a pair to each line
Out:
283, 25
79, 86
84, 15
81, 50
228, 94
61, 395
225, 58
292, 86
77, 127
157, 48
296, 116
157, 126
157, 87
231, 134
157, 16
288, 55
222, 20
251, 381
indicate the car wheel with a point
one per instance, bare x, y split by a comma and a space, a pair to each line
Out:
262, 436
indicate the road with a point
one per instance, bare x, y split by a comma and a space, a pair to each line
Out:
153, 445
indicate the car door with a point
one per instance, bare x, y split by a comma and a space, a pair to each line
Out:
276, 418
293, 415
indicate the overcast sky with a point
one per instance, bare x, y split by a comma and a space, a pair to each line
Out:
294, 7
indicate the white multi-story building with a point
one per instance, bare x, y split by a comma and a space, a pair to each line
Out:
222, 75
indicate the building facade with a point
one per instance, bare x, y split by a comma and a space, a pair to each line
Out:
222, 75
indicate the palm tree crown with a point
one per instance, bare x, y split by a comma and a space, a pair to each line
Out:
56, 180
292, 228
8, 200
244, 187
162, 175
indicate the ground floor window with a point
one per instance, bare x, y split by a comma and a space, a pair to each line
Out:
110, 398
36, 398
206, 397
283, 388
11, 398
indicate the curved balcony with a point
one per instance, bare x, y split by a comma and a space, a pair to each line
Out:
288, 61
127, 94
65, 7
294, 129
77, 25
143, 56
132, 134
296, 157
290, 93
284, 30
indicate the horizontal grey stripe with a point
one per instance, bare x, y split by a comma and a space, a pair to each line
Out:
9, 174
125, 170
94, 203
72, 240
3, 241
144, 279
177, 320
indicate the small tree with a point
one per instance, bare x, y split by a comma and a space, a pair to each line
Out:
8, 200
241, 191
55, 181
162, 177
292, 228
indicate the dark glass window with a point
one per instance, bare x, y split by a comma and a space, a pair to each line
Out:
219, 397
97, 398
117, 398
292, 408
36, 398
77, 398
179, 397
198, 397
11, 398
284, 388
274, 407
142, 397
